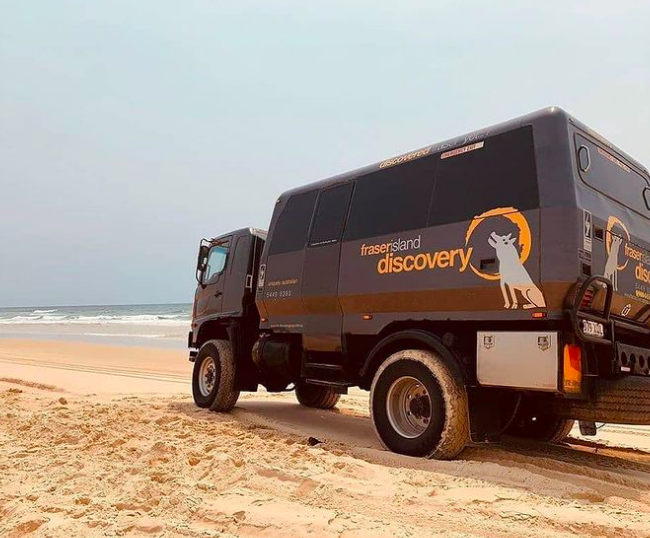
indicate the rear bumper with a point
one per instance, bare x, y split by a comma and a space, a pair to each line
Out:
634, 360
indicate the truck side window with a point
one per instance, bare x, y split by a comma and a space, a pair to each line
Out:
216, 262
391, 200
330, 215
290, 231
500, 174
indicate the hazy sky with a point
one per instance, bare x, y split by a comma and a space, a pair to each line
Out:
130, 129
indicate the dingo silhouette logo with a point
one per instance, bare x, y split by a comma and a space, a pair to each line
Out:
512, 274
611, 265
614, 240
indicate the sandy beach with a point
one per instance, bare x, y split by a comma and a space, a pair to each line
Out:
106, 441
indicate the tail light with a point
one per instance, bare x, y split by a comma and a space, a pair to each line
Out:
588, 299
572, 381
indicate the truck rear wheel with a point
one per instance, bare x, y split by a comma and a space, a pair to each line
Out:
418, 406
213, 378
316, 396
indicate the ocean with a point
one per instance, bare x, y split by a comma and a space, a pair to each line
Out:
159, 325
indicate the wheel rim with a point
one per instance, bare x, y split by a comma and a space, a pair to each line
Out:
408, 406
207, 376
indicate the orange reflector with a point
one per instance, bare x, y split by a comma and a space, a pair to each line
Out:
367, 317
538, 315
572, 368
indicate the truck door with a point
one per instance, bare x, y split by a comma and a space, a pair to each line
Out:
323, 313
237, 273
210, 293
279, 284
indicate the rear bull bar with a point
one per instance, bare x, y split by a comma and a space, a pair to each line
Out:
628, 359
578, 317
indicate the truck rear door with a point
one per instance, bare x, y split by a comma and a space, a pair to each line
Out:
621, 225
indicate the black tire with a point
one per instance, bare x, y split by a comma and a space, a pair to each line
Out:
616, 401
539, 425
316, 396
227, 395
445, 429
221, 394
203, 398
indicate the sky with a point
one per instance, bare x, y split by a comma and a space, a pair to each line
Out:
131, 129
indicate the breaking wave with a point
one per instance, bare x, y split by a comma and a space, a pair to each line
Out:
70, 317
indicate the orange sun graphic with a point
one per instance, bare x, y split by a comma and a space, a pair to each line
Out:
514, 216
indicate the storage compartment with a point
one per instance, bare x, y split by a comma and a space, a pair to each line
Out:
522, 360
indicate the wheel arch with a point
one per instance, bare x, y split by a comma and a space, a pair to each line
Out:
238, 335
409, 339
212, 330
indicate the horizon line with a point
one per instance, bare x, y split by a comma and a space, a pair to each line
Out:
90, 305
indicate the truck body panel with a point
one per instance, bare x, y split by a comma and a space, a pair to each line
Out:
519, 253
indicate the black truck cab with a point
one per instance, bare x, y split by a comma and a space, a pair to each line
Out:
226, 271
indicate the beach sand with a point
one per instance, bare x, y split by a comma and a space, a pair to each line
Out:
106, 441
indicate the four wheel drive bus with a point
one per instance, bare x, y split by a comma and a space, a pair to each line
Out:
498, 282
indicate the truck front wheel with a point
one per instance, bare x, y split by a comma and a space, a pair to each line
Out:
213, 378
418, 406
316, 396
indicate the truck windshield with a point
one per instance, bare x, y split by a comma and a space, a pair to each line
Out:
609, 175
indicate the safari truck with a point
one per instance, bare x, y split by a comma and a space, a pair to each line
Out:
495, 283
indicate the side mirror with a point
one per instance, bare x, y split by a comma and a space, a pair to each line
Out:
202, 261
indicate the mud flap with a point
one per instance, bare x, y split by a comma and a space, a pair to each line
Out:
587, 428
484, 415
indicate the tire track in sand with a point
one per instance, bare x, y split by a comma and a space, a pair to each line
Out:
120, 371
